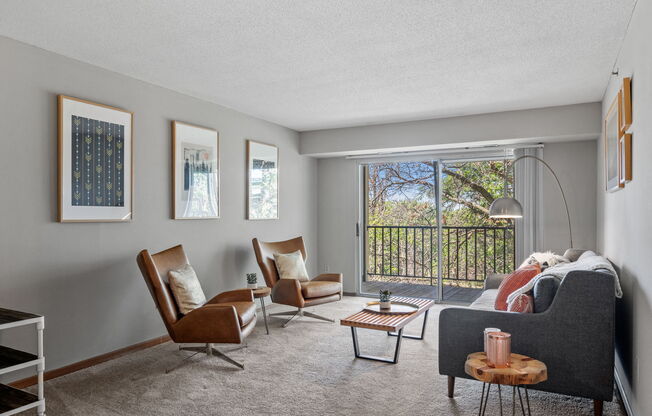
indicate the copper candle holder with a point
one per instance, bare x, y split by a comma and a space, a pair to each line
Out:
499, 346
487, 331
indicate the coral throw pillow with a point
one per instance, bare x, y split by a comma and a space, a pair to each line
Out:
519, 278
523, 304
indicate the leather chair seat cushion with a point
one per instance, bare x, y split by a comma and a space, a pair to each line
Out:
320, 288
246, 311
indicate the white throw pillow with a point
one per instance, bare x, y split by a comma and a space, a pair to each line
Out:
291, 266
186, 289
545, 259
586, 255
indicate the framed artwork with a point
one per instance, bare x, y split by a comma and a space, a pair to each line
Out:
611, 136
262, 181
625, 106
95, 162
625, 159
196, 172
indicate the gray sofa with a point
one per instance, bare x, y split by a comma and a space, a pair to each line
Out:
573, 335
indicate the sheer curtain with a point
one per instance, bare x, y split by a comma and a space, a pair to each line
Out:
528, 177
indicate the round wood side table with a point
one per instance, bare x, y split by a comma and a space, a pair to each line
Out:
261, 293
523, 371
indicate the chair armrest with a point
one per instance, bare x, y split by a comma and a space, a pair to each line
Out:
288, 292
329, 277
494, 280
210, 323
239, 295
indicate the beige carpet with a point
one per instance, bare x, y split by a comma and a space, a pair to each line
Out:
305, 369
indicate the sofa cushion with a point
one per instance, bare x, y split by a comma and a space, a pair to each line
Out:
486, 300
318, 289
522, 304
519, 278
544, 293
573, 254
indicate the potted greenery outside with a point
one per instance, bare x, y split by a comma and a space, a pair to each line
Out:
385, 302
252, 281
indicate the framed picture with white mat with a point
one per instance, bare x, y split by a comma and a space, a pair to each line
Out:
95, 155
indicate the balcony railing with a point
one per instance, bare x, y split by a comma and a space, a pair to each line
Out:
468, 253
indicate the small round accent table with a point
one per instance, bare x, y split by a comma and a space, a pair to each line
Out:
261, 293
523, 371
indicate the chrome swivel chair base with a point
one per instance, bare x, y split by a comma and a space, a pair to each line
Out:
210, 351
298, 314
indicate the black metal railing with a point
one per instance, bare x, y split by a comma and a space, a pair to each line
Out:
468, 253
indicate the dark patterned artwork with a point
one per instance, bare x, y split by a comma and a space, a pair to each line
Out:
97, 163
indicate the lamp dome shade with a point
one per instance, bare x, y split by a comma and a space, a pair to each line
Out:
505, 208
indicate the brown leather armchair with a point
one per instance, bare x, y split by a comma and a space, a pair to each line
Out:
324, 288
227, 318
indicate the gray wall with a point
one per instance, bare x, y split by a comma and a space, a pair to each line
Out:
564, 123
574, 162
625, 217
83, 277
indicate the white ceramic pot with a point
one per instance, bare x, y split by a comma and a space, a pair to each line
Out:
252, 285
386, 305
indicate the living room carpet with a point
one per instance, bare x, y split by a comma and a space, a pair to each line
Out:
305, 369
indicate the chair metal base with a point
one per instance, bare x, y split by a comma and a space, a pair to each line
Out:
210, 351
298, 314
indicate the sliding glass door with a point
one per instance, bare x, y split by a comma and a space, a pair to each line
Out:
425, 229
400, 228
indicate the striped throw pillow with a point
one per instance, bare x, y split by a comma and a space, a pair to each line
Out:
522, 304
519, 278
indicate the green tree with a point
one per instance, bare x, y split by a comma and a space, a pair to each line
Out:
403, 195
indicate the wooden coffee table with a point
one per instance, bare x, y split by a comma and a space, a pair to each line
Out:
522, 371
392, 324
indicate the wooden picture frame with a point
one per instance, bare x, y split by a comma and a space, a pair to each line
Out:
95, 162
611, 136
625, 159
195, 172
625, 106
262, 181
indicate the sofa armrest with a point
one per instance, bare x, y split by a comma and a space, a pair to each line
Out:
574, 337
209, 324
461, 333
288, 292
493, 280
239, 295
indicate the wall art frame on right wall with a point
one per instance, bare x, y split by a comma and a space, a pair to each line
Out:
611, 129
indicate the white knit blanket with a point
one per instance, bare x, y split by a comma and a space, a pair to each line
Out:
560, 271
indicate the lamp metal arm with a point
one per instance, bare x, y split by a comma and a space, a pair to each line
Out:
561, 189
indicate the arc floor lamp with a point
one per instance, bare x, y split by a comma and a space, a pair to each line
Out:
506, 207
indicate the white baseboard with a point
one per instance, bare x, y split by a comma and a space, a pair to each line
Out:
623, 388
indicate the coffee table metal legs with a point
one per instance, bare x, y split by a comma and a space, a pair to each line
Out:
356, 348
262, 304
423, 329
398, 334
484, 399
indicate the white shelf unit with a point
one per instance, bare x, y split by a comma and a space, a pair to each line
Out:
13, 400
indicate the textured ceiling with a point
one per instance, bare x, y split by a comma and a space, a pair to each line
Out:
315, 64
